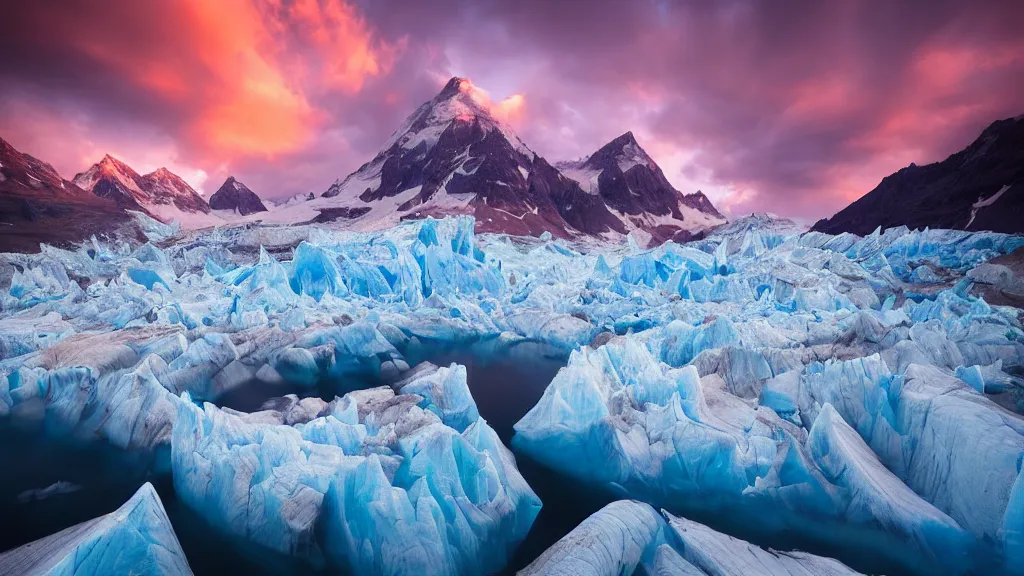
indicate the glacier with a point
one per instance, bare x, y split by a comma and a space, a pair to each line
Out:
630, 537
854, 397
137, 538
413, 482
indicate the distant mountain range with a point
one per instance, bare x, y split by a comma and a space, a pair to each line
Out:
161, 193
452, 156
38, 206
979, 188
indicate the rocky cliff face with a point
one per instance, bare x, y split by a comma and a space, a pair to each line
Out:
233, 195
979, 188
38, 206
629, 182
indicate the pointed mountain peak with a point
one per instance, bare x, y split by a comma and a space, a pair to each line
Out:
624, 152
626, 138
233, 195
455, 86
6, 147
112, 166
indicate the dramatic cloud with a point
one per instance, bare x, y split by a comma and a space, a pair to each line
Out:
796, 107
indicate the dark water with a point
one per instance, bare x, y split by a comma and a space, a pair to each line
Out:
102, 482
506, 386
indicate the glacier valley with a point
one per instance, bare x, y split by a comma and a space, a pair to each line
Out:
425, 400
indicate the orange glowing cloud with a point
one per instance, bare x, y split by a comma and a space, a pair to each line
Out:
255, 108
247, 69
510, 110
345, 40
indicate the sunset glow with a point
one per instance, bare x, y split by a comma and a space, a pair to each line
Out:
259, 88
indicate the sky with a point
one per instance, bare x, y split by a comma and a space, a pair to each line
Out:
792, 107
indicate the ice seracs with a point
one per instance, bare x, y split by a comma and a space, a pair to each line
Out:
413, 482
137, 538
617, 417
630, 537
614, 540
842, 395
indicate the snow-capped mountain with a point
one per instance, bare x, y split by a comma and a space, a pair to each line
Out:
235, 196
632, 185
38, 205
165, 185
979, 188
160, 193
452, 156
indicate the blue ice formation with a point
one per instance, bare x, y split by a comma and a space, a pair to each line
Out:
613, 540
618, 417
407, 483
137, 538
630, 537
81, 403
776, 342
712, 552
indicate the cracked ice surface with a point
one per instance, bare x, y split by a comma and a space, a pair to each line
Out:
830, 386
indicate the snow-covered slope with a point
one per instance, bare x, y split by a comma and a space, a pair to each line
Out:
160, 193
632, 185
292, 200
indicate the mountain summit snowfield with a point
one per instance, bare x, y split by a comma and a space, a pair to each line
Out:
759, 401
